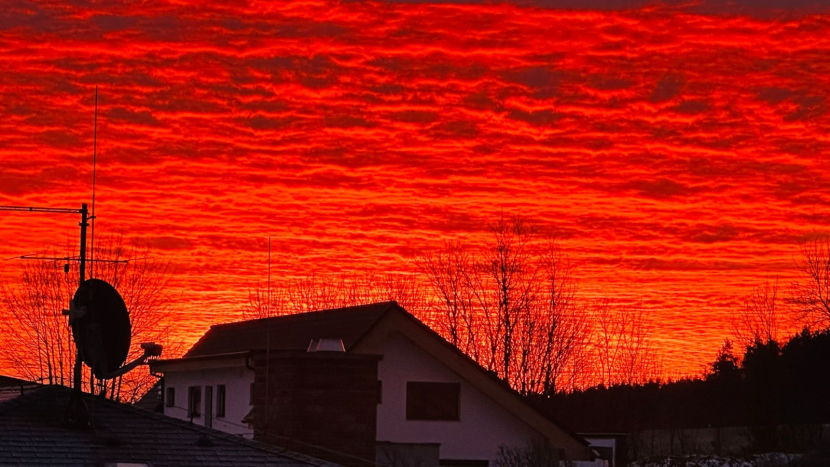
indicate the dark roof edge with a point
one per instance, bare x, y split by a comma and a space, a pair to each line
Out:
214, 356
306, 313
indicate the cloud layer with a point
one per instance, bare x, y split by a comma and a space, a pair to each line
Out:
680, 154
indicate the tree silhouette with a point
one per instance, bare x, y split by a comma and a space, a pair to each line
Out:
760, 317
38, 340
510, 304
811, 293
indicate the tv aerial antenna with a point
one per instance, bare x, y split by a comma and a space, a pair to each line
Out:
97, 313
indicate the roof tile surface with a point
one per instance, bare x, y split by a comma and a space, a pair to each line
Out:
290, 332
32, 432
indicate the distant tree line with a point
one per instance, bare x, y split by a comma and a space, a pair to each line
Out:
771, 385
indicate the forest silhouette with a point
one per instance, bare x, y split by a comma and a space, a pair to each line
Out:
769, 387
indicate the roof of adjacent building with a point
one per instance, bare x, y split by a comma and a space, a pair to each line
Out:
33, 432
6, 381
359, 327
291, 332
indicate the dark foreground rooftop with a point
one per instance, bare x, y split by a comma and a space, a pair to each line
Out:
32, 432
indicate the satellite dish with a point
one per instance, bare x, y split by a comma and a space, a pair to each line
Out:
101, 328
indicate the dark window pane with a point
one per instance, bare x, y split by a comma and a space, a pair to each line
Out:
194, 401
170, 400
220, 400
432, 401
209, 406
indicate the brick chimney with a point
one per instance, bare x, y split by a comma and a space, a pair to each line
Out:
318, 398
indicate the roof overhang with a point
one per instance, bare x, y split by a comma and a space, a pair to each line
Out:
227, 360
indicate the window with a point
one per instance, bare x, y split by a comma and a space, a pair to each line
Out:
170, 400
251, 395
194, 401
432, 401
220, 401
209, 406
380, 392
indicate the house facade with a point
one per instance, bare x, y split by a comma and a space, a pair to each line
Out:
418, 396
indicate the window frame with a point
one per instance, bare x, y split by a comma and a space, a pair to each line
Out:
221, 392
194, 404
424, 401
170, 397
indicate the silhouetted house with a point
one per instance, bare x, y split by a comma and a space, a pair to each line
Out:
33, 432
612, 448
370, 381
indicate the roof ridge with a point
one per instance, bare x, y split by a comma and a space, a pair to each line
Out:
351, 323
307, 313
26, 396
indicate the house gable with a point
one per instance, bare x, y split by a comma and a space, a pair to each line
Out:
400, 323
463, 421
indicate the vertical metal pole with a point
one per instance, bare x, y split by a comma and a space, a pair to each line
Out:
77, 370
84, 224
94, 159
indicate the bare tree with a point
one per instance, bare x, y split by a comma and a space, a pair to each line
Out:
510, 304
623, 344
39, 341
760, 317
325, 291
563, 326
811, 293
449, 271
505, 289
265, 303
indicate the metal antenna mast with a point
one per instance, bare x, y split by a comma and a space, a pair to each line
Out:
94, 160
268, 340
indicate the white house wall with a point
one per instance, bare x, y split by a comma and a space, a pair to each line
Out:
237, 381
483, 425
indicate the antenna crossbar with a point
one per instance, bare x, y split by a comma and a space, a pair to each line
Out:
37, 209
74, 258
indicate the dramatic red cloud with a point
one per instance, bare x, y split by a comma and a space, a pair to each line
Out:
679, 155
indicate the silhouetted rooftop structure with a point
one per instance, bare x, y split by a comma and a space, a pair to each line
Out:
32, 432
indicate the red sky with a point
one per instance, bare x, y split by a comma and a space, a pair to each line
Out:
680, 153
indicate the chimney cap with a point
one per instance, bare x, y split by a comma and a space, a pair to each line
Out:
326, 344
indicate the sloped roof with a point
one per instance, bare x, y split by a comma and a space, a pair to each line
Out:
32, 433
360, 327
6, 381
290, 332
